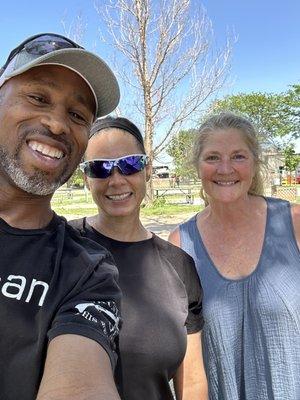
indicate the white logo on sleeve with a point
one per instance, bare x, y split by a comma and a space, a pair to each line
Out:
104, 313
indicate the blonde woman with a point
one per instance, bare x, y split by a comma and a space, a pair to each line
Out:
246, 250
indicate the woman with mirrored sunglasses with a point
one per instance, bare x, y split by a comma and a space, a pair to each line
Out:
162, 296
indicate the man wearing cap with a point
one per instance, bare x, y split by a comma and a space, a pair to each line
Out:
58, 296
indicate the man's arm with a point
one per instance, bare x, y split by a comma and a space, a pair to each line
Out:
77, 368
190, 381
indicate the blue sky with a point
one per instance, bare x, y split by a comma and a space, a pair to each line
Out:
265, 58
267, 54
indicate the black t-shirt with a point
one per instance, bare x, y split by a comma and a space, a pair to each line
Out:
161, 303
53, 282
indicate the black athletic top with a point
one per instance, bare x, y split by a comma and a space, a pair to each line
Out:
161, 303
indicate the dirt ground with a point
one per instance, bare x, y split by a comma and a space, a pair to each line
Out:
162, 226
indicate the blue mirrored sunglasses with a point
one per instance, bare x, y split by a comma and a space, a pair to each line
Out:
41, 44
102, 168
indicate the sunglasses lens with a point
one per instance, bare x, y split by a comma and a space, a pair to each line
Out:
102, 168
40, 45
132, 164
98, 169
46, 44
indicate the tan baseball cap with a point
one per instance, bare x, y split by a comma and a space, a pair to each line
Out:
51, 48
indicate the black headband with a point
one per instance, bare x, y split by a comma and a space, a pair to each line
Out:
118, 122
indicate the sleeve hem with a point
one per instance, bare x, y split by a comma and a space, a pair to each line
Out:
195, 328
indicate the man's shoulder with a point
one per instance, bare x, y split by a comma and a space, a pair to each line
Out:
83, 260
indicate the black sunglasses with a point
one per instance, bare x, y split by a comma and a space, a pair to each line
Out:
102, 168
41, 44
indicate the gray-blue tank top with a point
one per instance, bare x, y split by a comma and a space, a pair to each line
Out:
251, 336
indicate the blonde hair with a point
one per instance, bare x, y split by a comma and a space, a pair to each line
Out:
229, 120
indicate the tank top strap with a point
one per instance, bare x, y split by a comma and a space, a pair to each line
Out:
279, 228
188, 231
191, 242
278, 208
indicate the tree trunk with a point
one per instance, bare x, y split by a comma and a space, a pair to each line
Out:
149, 139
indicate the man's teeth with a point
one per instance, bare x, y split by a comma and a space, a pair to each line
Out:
119, 196
46, 150
226, 183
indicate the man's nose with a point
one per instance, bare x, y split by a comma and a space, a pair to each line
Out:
56, 121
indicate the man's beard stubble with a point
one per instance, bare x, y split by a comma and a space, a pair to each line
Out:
36, 183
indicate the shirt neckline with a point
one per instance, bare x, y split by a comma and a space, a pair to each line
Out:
259, 262
87, 226
4, 226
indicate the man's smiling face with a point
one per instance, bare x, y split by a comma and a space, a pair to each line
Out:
45, 118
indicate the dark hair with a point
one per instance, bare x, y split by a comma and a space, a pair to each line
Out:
229, 120
120, 123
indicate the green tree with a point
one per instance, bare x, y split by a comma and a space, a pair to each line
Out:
293, 100
276, 116
180, 149
291, 159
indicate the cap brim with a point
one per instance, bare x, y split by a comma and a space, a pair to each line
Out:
91, 67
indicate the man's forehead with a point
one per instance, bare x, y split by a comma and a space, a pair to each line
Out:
47, 76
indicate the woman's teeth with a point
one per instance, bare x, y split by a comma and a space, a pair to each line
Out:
226, 183
119, 196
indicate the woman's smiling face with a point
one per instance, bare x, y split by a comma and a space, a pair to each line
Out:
226, 166
118, 195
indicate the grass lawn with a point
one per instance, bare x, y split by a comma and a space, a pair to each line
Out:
170, 209
77, 203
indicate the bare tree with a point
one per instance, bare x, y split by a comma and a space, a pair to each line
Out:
76, 29
171, 64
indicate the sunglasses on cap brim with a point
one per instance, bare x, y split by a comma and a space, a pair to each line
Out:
41, 44
102, 168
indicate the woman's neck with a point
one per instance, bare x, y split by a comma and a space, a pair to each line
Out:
124, 229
